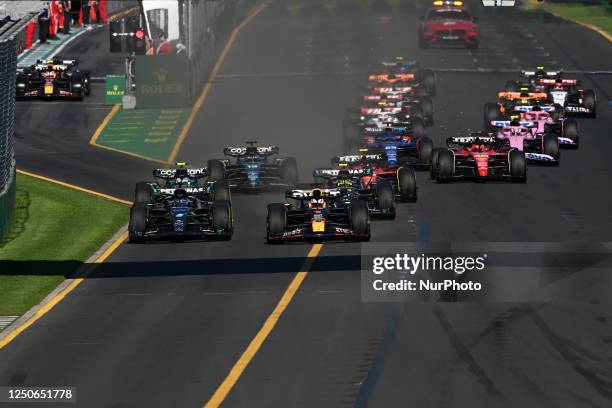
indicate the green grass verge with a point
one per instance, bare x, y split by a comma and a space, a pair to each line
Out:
599, 16
54, 231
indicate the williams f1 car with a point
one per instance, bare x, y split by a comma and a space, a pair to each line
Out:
53, 79
253, 169
181, 203
317, 215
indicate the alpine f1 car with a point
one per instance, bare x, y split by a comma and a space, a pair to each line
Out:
317, 215
539, 147
181, 203
478, 157
53, 79
397, 100
566, 92
548, 118
448, 23
253, 169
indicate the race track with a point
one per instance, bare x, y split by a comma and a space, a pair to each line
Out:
162, 324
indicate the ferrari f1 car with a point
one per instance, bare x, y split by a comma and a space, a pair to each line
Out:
448, 23
53, 79
253, 169
566, 92
181, 204
317, 215
478, 157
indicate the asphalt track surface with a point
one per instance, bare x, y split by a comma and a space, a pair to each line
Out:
162, 324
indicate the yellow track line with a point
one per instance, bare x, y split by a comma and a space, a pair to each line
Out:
62, 294
261, 336
202, 98
72, 186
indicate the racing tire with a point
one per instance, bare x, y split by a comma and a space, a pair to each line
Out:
425, 149
428, 79
518, 166
570, 129
427, 106
445, 166
406, 184
550, 146
142, 193
491, 113
385, 199
590, 102
416, 112
418, 127
434, 163
216, 170
277, 220
511, 86
221, 191
138, 223
360, 219
289, 171
221, 218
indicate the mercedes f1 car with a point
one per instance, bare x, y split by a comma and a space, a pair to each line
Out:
317, 215
478, 157
53, 79
448, 23
181, 203
253, 169
566, 92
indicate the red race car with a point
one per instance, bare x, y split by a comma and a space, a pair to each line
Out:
448, 23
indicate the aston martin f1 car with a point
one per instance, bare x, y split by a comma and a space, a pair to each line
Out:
181, 203
317, 215
566, 92
478, 157
53, 79
253, 169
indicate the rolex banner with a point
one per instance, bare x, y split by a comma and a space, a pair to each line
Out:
162, 81
114, 89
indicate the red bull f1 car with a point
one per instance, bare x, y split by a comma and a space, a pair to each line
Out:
53, 79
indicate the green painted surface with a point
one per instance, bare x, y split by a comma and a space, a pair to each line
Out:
145, 132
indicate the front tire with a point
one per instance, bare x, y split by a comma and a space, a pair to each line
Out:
385, 199
445, 167
221, 219
518, 166
221, 190
550, 146
425, 149
277, 220
142, 193
360, 219
138, 223
570, 129
216, 169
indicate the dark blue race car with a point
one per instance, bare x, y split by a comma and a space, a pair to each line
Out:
253, 169
398, 146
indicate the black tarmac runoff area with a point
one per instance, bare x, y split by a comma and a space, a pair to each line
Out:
162, 324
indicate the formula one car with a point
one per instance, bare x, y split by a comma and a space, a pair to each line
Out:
53, 79
547, 117
566, 92
376, 167
181, 203
478, 157
425, 78
353, 185
399, 145
317, 215
447, 23
397, 100
253, 169
539, 147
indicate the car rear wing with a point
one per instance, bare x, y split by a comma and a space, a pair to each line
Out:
522, 95
558, 82
512, 123
463, 140
380, 111
242, 150
391, 77
331, 173
529, 74
401, 64
383, 90
306, 194
529, 108
353, 158
171, 173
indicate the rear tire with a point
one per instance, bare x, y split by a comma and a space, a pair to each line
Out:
491, 113
427, 106
418, 127
550, 146
589, 101
277, 220
434, 163
360, 219
518, 166
445, 167
142, 193
385, 199
216, 169
428, 79
221, 218
138, 223
289, 171
406, 184
570, 129
221, 190
425, 149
